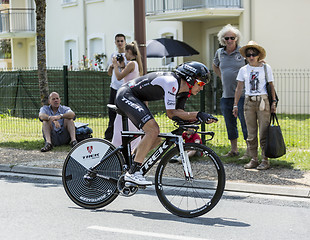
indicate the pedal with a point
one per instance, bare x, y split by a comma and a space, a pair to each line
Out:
130, 184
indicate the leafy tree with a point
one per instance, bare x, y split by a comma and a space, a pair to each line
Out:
41, 51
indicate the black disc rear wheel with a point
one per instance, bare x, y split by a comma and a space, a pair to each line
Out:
97, 191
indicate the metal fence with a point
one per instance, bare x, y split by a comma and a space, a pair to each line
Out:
88, 93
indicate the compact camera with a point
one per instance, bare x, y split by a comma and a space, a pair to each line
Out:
119, 57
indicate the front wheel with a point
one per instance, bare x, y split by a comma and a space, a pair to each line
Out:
101, 188
190, 197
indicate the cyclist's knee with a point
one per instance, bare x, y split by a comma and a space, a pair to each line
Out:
151, 128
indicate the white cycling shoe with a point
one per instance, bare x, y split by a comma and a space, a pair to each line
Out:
137, 178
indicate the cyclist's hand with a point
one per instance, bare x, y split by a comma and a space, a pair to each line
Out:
206, 118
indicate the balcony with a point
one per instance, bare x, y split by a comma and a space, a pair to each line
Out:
17, 23
190, 9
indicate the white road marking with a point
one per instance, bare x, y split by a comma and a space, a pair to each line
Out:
140, 233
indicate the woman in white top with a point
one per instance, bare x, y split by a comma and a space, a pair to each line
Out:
132, 70
256, 105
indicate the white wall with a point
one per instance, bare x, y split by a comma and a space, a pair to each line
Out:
104, 19
280, 26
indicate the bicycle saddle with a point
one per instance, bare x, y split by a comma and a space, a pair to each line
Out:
116, 109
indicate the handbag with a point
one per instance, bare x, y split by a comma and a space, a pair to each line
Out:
269, 88
275, 146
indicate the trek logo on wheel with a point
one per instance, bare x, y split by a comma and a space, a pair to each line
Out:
89, 149
92, 156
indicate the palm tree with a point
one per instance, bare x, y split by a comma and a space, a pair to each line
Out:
41, 50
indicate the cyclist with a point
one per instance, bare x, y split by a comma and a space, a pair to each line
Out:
174, 87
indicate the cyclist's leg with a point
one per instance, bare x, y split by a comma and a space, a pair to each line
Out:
141, 117
149, 141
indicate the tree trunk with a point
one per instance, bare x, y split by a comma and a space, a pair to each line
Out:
41, 51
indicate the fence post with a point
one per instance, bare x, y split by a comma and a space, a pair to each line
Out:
65, 76
203, 109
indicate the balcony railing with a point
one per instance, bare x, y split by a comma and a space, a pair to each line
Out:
17, 20
161, 6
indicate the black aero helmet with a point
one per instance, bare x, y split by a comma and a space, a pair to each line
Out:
190, 71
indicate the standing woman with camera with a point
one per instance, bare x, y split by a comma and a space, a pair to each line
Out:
132, 70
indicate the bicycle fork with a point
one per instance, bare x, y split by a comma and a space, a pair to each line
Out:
185, 160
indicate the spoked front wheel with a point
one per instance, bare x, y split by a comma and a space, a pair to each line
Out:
100, 188
190, 197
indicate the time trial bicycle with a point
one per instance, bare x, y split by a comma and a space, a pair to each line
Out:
93, 172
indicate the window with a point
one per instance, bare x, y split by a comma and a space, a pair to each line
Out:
96, 52
95, 47
4, 1
5, 48
68, 1
169, 62
71, 56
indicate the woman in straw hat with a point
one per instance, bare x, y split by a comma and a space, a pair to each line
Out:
256, 105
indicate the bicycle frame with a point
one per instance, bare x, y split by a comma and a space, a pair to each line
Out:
170, 138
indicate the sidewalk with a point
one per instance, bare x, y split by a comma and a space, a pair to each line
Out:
274, 181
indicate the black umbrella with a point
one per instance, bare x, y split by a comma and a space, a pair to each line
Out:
167, 47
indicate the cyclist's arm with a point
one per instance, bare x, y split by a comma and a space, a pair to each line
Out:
189, 116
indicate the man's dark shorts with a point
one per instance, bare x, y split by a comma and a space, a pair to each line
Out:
135, 109
61, 137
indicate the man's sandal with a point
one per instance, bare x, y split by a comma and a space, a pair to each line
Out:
47, 147
73, 143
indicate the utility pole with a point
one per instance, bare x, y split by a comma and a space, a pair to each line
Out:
139, 12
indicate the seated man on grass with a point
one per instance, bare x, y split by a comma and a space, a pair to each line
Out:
58, 126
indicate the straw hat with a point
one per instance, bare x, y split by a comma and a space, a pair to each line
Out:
252, 44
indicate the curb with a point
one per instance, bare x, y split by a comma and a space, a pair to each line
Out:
268, 189
53, 172
229, 186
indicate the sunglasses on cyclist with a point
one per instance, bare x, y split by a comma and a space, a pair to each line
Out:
251, 54
200, 83
231, 38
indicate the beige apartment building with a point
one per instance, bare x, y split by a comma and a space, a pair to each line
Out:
79, 29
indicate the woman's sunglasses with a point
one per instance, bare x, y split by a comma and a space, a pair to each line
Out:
251, 54
231, 38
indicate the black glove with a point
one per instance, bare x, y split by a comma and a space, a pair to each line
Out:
205, 117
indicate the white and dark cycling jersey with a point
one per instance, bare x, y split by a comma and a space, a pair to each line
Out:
154, 86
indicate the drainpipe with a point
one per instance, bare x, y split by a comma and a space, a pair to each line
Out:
84, 14
251, 12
